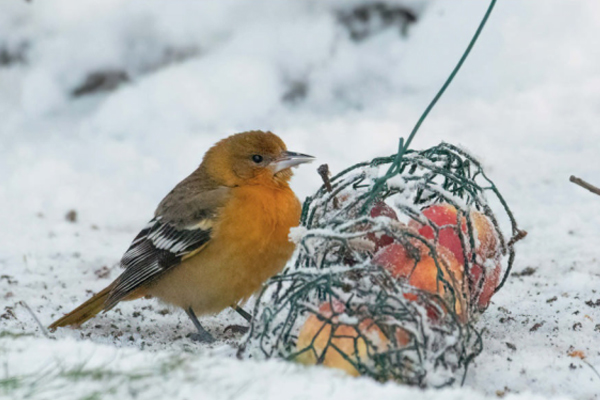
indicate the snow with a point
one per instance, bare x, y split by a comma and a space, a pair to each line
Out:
526, 103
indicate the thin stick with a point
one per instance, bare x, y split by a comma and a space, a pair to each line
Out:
592, 367
585, 185
323, 170
42, 328
520, 235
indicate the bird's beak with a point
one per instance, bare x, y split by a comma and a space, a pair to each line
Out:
290, 159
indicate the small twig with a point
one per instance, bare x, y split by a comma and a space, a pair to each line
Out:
520, 235
323, 170
585, 185
42, 328
592, 367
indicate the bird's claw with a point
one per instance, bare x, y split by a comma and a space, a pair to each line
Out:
201, 337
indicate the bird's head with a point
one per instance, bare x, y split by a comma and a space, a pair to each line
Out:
254, 157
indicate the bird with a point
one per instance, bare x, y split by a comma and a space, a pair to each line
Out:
215, 238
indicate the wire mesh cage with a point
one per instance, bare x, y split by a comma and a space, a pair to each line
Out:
395, 260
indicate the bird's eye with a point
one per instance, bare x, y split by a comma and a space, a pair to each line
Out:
257, 158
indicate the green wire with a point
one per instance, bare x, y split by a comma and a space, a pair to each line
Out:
452, 75
404, 145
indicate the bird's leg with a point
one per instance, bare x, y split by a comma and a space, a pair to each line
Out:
239, 328
202, 335
245, 314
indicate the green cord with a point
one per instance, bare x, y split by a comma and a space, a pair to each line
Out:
452, 75
404, 145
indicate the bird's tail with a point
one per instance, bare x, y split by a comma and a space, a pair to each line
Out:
85, 311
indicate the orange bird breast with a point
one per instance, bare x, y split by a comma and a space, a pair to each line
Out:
249, 244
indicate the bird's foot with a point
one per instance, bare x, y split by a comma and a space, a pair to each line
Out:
236, 329
203, 337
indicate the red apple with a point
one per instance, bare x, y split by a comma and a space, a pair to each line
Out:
487, 252
371, 241
486, 290
317, 332
424, 274
444, 216
486, 246
379, 209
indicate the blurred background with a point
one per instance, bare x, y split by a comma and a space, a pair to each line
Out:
122, 98
106, 104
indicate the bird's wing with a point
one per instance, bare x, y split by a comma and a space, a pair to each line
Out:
181, 228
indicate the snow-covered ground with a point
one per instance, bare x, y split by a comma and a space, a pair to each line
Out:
187, 73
